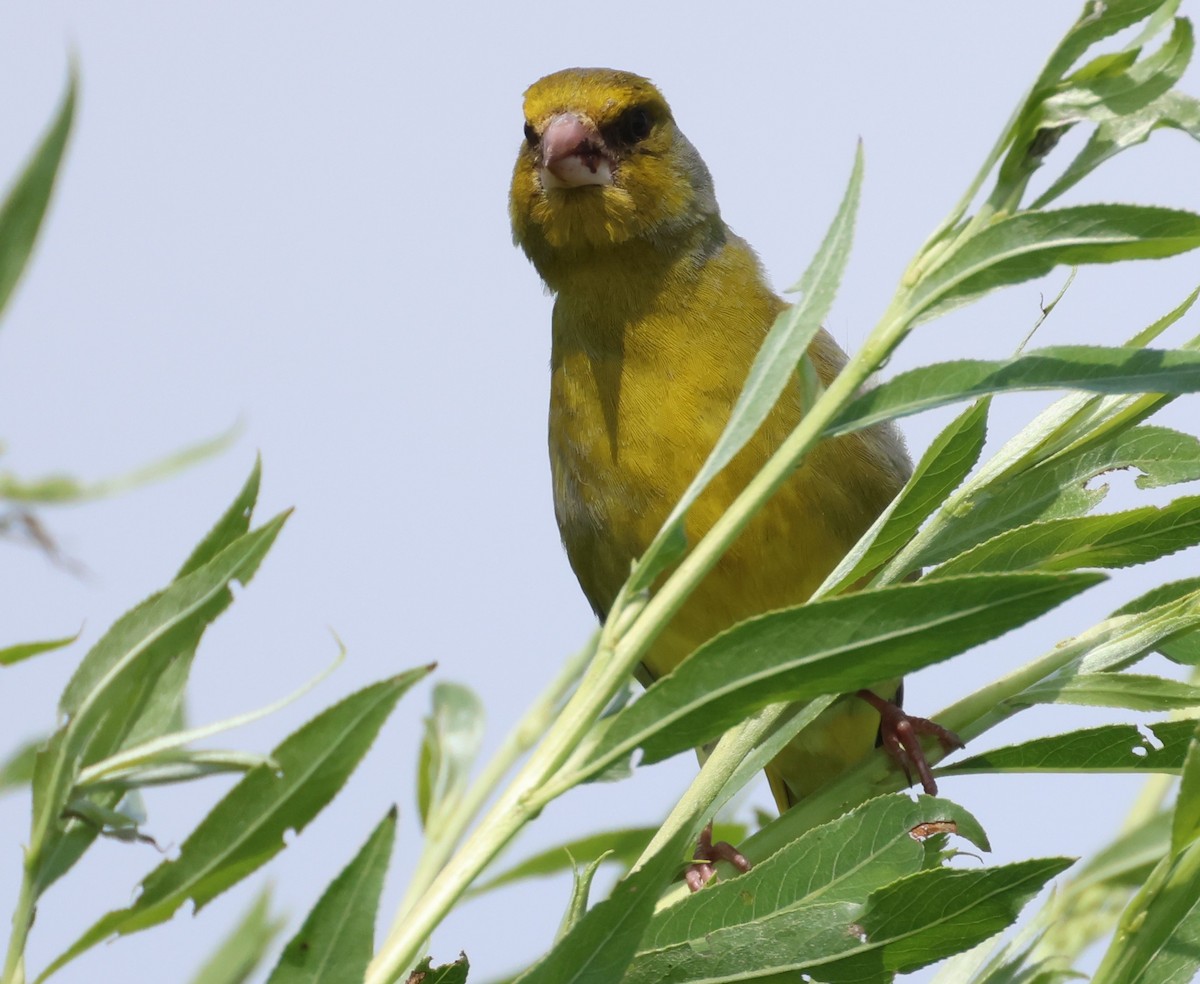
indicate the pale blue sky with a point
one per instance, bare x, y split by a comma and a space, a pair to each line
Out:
295, 215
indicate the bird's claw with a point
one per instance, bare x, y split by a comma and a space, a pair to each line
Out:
701, 870
901, 736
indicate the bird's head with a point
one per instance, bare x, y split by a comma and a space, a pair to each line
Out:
603, 164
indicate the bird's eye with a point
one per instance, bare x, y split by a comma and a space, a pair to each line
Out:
634, 125
531, 136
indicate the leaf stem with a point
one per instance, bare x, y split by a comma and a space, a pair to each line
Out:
440, 843
22, 921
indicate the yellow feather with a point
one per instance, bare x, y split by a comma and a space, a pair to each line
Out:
659, 312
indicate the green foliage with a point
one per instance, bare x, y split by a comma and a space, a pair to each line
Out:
857, 882
24, 207
338, 937
453, 734
241, 953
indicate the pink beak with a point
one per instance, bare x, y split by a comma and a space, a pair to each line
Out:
573, 154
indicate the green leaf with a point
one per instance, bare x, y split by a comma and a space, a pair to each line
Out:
1185, 827
16, 771
1027, 245
1119, 94
1097, 22
599, 947
774, 366
1182, 646
942, 468
1158, 938
246, 828
1128, 859
1136, 536
842, 861
1099, 370
453, 734
1058, 487
1128, 690
830, 646
581, 888
163, 708
243, 950
234, 523
337, 940
1175, 110
23, 210
1122, 639
1108, 748
107, 691
191, 601
931, 915
902, 927
159, 760
23, 651
61, 489
1088, 906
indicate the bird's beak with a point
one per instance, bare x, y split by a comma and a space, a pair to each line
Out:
574, 154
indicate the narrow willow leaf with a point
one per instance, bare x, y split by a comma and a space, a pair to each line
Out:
453, 734
1088, 907
59, 489
908, 924
934, 914
10, 655
1122, 639
1120, 94
1158, 939
1081, 419
1133, 691
774, 366
204, 590
792, 940
581, 888
109, 687
240, 954
1108, 748
1136, 536
181, 765
245, 829
841, 861
1182, 646
140, 764
1097, 22
1028, 245
234, 522
1127, 860
942, 468
16, 771
1058, 487
1099, 370
831, 646
1175, 110
1185, 826
23, 210
337, 940
599, 947
163, 707
622, 847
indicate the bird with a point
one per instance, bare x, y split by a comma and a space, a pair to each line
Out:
659, 311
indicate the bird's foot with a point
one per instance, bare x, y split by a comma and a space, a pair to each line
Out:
901, 736
701, 869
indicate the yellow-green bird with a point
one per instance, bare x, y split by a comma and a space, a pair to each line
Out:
659, 311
